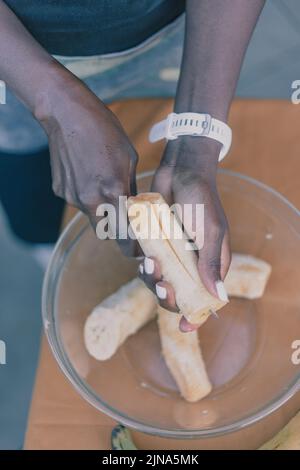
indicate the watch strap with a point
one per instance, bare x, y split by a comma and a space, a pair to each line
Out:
194, 124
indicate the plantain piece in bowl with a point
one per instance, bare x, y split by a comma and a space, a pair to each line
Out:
118, 316
247, 276
182, 354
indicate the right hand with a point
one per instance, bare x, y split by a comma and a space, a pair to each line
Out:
187, 174
92, 159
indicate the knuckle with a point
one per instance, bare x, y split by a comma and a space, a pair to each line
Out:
70, 200
56, 188
216, 230
88, 199
216, 227
214, 263
111, 192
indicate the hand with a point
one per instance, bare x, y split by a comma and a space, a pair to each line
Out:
187, 174
92, 159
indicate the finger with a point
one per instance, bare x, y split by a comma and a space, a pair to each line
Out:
152, 269
134, 246
117, 222
166, 296
150, 273
162, 182
138, 252
132, 175
225, 255
191, 199
107, 226
130, 248
93, 221
91, 214
57, 169
209, 265
185, 326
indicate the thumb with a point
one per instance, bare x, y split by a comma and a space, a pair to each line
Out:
213, 263
130, 247
162, 182
132, 186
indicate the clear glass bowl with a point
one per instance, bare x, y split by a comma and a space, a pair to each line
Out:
247, 350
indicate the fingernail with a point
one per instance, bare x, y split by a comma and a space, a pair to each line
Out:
221, 291
161, 292
141, 268
149, 265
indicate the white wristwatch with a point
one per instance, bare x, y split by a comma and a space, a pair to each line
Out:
195, 124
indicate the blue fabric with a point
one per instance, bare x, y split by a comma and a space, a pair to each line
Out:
140, 75
33, 211
90, 27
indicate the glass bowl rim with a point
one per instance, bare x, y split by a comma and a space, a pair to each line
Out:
53, 337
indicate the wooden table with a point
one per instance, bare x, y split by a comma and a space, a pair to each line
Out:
266, 147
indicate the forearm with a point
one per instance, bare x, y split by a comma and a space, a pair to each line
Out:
216, 39
25, 66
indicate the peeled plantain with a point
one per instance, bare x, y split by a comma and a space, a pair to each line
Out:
182, 354
247, 276
150, 219
117, 317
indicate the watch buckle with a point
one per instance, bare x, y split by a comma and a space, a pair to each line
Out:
206, 124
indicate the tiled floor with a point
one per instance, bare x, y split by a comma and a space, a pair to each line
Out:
272, 63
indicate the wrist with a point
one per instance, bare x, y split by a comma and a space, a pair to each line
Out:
190, 128
196, 153
194, 95
51, 99
191, 102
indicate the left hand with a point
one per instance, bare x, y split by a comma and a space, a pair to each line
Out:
187, 174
